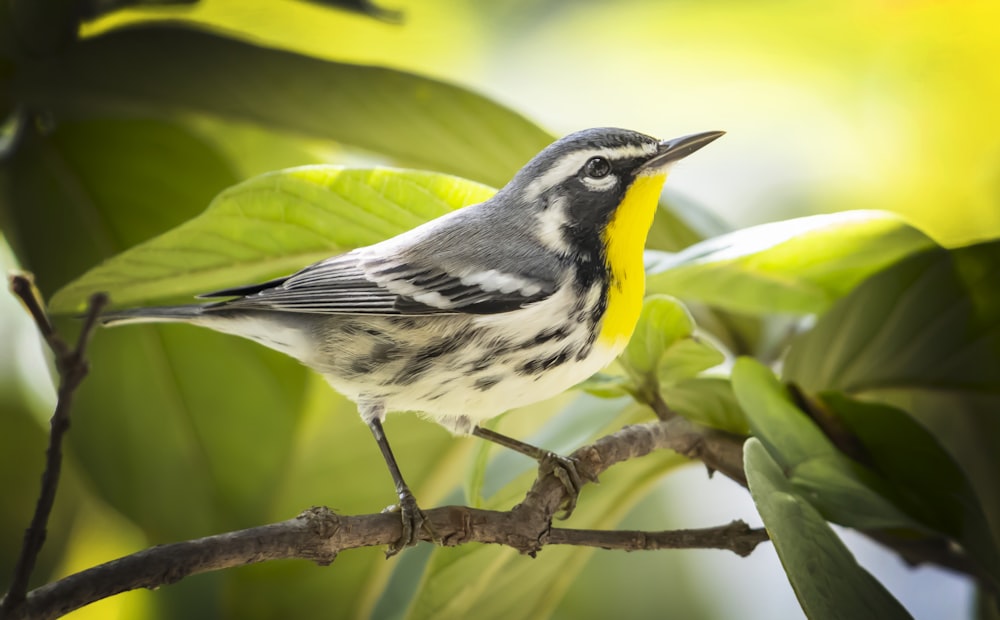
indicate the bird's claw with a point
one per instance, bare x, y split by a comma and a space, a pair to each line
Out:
413, 521
564, 470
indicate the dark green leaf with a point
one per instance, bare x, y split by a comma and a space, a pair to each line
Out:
796, 266
168, 70
840, 488
931, 486
923, 335
827, 580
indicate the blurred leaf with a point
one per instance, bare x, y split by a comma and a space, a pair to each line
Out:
606, 385
827, 580
92, 9
365, 7
170, 449
709, 401
932, 486
335, 462
843, 490
796, 266
166, 70
681, 222
273, 224
93, 188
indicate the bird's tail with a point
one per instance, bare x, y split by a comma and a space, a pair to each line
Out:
158, 314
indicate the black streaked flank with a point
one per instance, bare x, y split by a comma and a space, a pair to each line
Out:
553, 333
537, 366
485, 383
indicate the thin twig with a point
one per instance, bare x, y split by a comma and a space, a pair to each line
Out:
737, 537
72, 368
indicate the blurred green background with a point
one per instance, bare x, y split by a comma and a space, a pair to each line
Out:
888, 105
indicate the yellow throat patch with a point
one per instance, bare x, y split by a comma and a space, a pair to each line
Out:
625, 238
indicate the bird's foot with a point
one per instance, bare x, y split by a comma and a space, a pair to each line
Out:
413, 521
564, 470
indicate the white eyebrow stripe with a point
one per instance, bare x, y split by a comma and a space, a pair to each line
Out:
570, 163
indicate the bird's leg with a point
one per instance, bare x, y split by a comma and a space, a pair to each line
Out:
412, 517
562, 467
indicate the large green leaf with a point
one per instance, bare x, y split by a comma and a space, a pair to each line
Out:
273, 224
166, 70
88, 190
923, 335
827, 580
796, 266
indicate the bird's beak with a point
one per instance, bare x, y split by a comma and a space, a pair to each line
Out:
678, 148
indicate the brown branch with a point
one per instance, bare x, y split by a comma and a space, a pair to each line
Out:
737, 537
72, 367
319, 534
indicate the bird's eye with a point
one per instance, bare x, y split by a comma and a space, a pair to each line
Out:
597, 168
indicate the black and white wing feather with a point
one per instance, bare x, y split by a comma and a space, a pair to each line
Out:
361, 283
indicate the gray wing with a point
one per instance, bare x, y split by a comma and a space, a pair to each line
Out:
360, 283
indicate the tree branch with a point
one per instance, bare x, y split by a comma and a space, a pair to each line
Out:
319, 535
72, 368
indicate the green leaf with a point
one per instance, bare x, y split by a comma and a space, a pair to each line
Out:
796, 266
91, 189
273, 224
164, 71
932, 487
924, 336
709, 401
663, 348
827, 580
843, 490
923, 333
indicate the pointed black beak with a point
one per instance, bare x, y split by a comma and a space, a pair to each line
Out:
679, 148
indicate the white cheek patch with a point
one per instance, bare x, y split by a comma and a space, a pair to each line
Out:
550, 226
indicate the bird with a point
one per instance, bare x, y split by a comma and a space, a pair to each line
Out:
487, 308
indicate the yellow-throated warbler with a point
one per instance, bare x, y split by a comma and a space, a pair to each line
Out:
490, 307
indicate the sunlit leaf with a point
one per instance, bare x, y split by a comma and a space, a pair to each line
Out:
272, 224
795, 266
827, 580
169, 70
664, 349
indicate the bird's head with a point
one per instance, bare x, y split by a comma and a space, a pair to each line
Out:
578, 185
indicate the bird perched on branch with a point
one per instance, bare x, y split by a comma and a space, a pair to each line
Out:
491, 307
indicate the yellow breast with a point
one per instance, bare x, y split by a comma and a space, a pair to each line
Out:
625, 238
